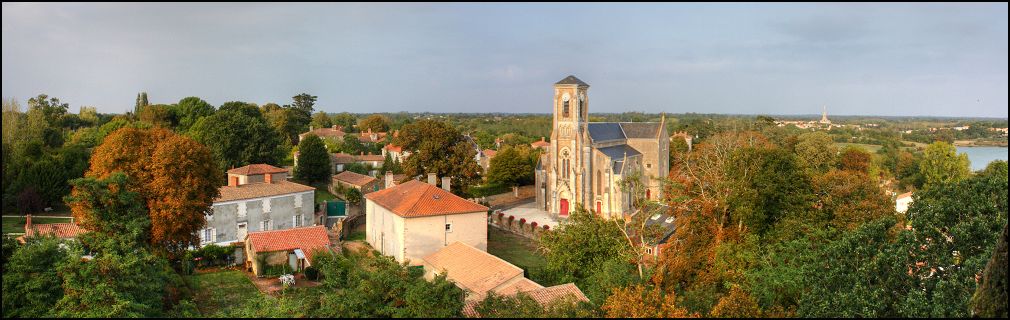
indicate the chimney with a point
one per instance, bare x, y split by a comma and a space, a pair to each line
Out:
233, 181
432, 179
541, 138
445, 184
362, 153
268, 178
28, 223
389, 179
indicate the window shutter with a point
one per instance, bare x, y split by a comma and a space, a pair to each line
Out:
213, 234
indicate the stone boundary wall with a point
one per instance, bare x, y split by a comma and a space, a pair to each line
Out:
519, 226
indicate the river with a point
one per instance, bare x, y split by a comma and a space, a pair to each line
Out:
981, 156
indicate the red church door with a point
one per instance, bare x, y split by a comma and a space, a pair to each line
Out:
599, 207
564, 207
648, 194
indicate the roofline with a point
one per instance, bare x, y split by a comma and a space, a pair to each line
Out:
421, 216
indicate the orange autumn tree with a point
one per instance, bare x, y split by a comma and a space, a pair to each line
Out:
176, 176
737, 304
640, 301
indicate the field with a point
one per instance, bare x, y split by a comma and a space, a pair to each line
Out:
222, 294
514, 249
17, 224
872, 148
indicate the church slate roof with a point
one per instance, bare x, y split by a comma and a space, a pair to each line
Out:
572, 80
617, 152
633, 130
603, 131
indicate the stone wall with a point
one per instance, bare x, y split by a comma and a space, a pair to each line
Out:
519, 226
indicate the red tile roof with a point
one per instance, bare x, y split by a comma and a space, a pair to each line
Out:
419, 199
259, 190
490, 153
541, 143
473, 269
353, 178
326, 132
544, 296
259, 168
60, 230
393, 148
371, 157
306, 238
904, 195
342, 158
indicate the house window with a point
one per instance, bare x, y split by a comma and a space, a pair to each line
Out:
266, 205
448, 228
648, 250
296, 221
648, 165
266, 225
208, 235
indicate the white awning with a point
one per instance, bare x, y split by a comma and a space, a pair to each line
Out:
299, 254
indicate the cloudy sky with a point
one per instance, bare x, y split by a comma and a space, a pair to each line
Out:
865, 59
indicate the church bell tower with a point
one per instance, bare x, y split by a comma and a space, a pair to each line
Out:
571, 115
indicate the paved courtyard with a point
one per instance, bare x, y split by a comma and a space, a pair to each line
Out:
530, 211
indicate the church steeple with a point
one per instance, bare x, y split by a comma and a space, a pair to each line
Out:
824, 115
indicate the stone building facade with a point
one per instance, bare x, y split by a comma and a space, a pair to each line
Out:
586, 161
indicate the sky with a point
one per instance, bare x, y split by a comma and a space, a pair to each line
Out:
904, 59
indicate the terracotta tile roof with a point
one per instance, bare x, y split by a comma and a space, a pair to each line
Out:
259, 190
393, 148
548, 295
306, 238
541, 143
544, 296
490, 153
904, 195
371, 157
471, 268
353, 178
367, 136
60, 230
259, 168
342, 158
519, 286
418, 199
326, 133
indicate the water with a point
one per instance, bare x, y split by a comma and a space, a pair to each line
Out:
981, 156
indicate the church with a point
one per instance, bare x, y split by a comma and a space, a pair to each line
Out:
586, 161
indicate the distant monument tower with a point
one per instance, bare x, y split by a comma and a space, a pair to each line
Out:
824, 116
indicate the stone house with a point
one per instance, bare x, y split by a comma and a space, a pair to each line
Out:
258, 197
414, 219
64, 231
347, 179
293, 247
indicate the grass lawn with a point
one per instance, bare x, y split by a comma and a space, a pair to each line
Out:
17, 224
322, 195
872, 148
221, 293
514, 249
356, 235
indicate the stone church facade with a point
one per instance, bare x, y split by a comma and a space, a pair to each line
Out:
587, 160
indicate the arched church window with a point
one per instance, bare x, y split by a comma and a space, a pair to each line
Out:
582, 102
599, 182
564, 107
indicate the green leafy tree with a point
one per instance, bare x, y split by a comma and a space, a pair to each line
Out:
31, 282
189, 110
816, 152
375, 122
158, 115
941, 163
353, 196
321, 120
345, 120
238, 136
313, 160
141, 103
52, 109
990, 299
352, 145
438, 148
108, 207
855, 159
776, 187
511, 166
